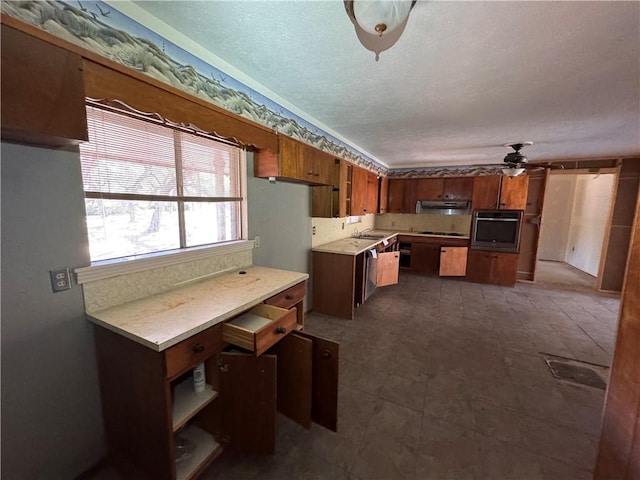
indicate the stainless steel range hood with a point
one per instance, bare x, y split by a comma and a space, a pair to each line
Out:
443, 208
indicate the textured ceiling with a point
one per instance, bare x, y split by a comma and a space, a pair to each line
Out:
463, 79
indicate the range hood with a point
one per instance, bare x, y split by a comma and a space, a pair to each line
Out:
443, 208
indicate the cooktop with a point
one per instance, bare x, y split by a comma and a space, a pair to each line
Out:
446, 234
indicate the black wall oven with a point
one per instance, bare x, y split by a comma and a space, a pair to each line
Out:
496, 230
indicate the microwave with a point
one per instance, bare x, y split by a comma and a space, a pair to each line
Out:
496, 230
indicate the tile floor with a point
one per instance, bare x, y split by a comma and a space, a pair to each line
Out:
443, 379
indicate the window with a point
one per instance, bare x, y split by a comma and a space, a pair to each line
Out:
151, 186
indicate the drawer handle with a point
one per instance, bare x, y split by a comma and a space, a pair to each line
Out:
198, 348
281, 330
288, 297
326, 354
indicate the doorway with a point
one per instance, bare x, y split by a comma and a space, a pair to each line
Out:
575, 218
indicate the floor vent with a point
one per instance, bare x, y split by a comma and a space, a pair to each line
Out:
577, 372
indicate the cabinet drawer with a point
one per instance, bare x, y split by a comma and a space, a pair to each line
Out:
186, 354
289, 297
259, 328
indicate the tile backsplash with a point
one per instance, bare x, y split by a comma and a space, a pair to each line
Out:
126, 288
331, 229
421, 222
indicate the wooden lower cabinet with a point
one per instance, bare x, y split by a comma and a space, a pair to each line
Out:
425, 257
492, 267
340, 280
150, 410
453, 261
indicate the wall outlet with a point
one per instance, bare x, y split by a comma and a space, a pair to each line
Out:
256, 242
343, 225
60, 279
313, 230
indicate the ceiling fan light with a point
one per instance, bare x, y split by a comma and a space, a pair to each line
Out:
381, 16
512, 172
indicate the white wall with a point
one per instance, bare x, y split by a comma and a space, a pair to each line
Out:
576, 210
592, 202
51, 415
556, 217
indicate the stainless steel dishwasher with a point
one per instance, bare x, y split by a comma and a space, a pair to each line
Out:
371, 274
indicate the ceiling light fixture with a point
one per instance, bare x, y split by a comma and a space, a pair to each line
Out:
379, 23
512, 172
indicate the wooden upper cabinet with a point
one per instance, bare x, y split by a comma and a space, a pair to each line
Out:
383, 195
315, 166
395, 195
429, 189
513, 193
295, 161
403, 194
359, 191
458, 188
371, 204
43, 95
486, 191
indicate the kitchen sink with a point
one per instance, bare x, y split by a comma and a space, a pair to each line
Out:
372, 236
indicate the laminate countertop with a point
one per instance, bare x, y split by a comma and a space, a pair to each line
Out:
165, 319
356, 246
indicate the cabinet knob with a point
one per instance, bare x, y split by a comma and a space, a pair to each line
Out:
281, 330
326, 354
198, 348
288, 297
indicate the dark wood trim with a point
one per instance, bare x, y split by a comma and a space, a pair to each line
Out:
105, 78
619, 451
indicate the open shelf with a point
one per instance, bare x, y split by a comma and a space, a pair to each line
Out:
207, 449
187, 403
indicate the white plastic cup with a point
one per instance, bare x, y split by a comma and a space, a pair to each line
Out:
198, 378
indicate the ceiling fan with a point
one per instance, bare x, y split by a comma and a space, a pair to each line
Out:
516, 163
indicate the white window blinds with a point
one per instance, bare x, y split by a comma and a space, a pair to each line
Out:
150, 187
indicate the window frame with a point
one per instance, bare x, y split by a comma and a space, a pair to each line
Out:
101, 269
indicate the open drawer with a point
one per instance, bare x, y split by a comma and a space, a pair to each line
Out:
259, 328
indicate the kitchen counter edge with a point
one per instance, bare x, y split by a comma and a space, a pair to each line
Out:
116, 318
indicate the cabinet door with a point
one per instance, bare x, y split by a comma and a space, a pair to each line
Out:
388, 268
359, 192
322, 202
425, 258
326, 358
43, 94
504, 269
458, 188
430, 189
372, 193
513, 193
395, 196
295, 381
288, 151
383, 195
453, 261
479, 266
486, 190
248, 402
410, 188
